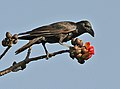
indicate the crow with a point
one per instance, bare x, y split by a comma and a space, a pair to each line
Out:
58, 32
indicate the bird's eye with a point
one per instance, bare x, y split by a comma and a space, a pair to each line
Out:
88, 25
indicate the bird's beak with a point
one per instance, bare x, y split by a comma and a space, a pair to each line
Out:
91, 32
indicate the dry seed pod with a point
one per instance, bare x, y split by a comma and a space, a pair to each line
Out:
15, 36
8, 35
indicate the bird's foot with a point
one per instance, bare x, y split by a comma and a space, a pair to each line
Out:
47, 56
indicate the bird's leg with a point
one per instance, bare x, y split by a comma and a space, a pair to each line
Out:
46, 51
66, 45
61, 41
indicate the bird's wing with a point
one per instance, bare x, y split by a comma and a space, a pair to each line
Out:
50, 30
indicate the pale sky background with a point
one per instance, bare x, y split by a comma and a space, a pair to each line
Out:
61, 72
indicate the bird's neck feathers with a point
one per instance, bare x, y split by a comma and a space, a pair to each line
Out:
80, 30
77, 32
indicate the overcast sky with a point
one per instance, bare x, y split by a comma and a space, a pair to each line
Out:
61, 72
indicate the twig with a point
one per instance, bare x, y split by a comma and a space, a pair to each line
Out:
28, 60
5, 52
28, 53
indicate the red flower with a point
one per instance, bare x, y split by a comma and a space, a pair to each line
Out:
90, 50
81, 52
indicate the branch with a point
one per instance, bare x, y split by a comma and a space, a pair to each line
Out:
28, 60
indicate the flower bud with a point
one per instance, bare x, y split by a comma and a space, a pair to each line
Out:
83, 50
79, 42
15, 41
73, 41
85, 56
76, 47
78, 51
79, 55
91, 50
4, 43
8, 35
87, 45
15, 36
81, 61
72, 55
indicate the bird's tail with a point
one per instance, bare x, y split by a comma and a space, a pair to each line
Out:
29, 44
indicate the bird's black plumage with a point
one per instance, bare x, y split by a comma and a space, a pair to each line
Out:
55, 33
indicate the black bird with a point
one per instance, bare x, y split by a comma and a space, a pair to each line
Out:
55, 33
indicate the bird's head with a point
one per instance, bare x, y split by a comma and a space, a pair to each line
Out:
85, 27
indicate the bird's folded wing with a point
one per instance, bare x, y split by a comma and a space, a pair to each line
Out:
50, 30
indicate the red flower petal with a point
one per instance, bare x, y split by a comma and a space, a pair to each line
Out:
87, 45
91, 50
90, 56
